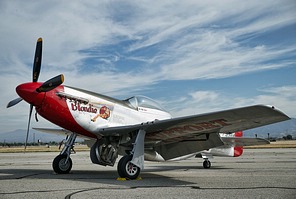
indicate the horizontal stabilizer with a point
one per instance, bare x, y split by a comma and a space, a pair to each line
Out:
239, 141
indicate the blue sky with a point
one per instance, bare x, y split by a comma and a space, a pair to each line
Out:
191, 56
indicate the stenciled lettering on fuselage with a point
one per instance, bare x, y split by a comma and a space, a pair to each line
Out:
75, 106
186, 129
92, 115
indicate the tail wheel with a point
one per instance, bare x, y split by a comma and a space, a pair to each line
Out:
207, 164
126, 169
61, 165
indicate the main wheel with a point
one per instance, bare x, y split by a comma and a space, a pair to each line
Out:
60, 166
207, 164
126, 169
119, 170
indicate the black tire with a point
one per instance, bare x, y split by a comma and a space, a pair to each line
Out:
119, 171
207, 164
126, 169
59, 165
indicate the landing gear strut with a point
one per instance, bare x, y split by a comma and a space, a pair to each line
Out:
130, 165
62, 164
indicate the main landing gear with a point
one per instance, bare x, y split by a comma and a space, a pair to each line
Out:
62, 164
129, 166
126, 169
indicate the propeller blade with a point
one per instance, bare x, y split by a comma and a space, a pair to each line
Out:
28, 128
14, 102
51, 84
37, 60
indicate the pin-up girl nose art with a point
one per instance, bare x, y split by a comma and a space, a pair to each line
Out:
104, 113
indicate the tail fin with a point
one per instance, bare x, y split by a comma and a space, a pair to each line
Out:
238, 134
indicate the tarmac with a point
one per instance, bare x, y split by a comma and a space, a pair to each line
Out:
258, 173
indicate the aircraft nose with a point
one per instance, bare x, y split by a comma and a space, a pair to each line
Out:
28, 92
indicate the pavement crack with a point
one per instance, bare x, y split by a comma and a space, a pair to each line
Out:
34, 191
240, 188
30, 175
92, 189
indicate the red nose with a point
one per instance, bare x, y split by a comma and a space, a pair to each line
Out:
28, 92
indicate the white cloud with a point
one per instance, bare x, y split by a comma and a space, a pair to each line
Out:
204, 96
283, 98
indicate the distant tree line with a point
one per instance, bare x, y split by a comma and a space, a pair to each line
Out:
6, 144
288, 137
51, 143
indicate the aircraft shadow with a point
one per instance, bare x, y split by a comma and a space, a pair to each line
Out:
100, 177
158, 174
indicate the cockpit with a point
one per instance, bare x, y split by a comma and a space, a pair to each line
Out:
144, 102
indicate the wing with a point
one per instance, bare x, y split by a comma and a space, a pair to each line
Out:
244, 141
186, 135
223, 122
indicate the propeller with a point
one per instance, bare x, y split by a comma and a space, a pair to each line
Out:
28, 127
14, 102
36, 69
37, 60
45, 87
51, 84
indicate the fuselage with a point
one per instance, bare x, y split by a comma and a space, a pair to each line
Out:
85, 112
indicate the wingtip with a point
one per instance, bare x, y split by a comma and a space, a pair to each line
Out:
39, 39
285, 116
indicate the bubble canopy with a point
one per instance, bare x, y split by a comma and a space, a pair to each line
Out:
144, 102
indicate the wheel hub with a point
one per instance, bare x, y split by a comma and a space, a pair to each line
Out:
64, 164
131, 168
